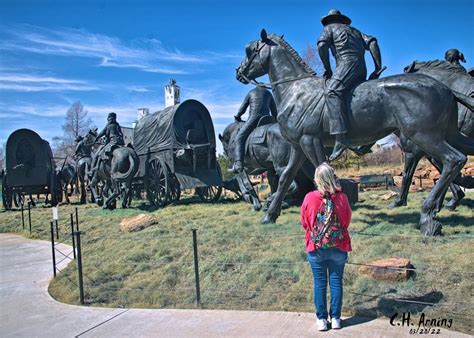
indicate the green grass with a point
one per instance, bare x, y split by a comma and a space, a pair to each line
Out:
247, 265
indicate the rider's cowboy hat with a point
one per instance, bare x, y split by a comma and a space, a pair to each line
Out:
112, 115
335, 16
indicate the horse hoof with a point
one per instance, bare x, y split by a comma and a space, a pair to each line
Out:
257, 207
431, 228
284, 205
100, 202
267, 219
451, 206
396, 204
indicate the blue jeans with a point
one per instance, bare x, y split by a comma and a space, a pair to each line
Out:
322, 262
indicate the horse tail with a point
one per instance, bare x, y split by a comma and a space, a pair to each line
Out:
132, 168
464, 100
463, 143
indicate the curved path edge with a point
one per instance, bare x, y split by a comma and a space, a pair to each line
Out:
28, 310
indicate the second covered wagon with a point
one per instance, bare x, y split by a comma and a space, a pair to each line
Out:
177, 150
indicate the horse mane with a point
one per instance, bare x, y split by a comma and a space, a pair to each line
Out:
437, 64
292, 52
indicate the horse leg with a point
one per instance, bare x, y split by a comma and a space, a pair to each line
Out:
126, 193
411, 161
115, 192
296, 160
313, 149
452, 161
458, 194
83, 190
92, 186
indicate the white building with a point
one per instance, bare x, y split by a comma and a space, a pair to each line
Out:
172, 94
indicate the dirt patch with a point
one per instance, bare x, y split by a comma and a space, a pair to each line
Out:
137, 223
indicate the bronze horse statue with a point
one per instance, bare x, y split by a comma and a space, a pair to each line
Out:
116, 175
267, 151
83, 164
456, 80
420, 108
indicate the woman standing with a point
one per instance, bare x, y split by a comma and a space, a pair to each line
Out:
325, 216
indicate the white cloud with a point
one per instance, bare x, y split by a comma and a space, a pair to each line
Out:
149, 55
36, 83
138, 89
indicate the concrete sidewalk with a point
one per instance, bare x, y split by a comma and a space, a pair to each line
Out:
27, 310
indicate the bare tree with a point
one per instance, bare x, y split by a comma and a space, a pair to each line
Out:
77, 123
311, 58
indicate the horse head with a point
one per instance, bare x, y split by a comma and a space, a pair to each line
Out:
228, 137
272, 55
256, 60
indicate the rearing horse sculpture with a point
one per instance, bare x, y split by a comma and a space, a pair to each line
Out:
419, 107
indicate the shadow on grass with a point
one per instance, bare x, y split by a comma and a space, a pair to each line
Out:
145, 206
388, 307
362, 206
400, 218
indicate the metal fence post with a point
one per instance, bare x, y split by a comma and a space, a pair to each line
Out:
72, 237
22, 218
57, 228
196, 268
77, 220
29, 214
53, 250
79, 266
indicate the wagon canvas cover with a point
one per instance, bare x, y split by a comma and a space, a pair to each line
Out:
28, 159
170, 127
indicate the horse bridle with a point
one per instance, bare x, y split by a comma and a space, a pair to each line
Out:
268, 85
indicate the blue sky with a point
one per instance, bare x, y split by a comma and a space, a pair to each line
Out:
118, 55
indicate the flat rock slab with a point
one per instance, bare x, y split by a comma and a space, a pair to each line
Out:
137, 223
388, 269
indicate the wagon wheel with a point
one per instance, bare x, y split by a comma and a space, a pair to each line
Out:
175, 189
18, 199
212, 193
6, 194
158, 189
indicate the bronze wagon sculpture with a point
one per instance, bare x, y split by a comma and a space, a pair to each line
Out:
177, 150
29, 168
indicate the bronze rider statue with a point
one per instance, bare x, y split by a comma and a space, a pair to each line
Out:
82, 150
453, 56
261, 103
348, 46
113, 139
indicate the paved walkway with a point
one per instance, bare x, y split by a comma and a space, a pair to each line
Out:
27, 310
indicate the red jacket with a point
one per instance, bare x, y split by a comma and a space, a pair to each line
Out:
309, 209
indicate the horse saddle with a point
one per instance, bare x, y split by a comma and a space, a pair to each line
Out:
259, 135
264, 120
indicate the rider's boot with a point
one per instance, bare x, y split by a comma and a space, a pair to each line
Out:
237, 167
363, 150
339, 147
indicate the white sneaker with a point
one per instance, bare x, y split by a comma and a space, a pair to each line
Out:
322, 324
335, 323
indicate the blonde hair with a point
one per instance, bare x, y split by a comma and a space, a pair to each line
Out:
325, 180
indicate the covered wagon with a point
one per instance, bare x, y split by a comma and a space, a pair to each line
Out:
29, 168
177, 150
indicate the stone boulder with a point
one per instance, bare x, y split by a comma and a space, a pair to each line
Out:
388, 269
137, 223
